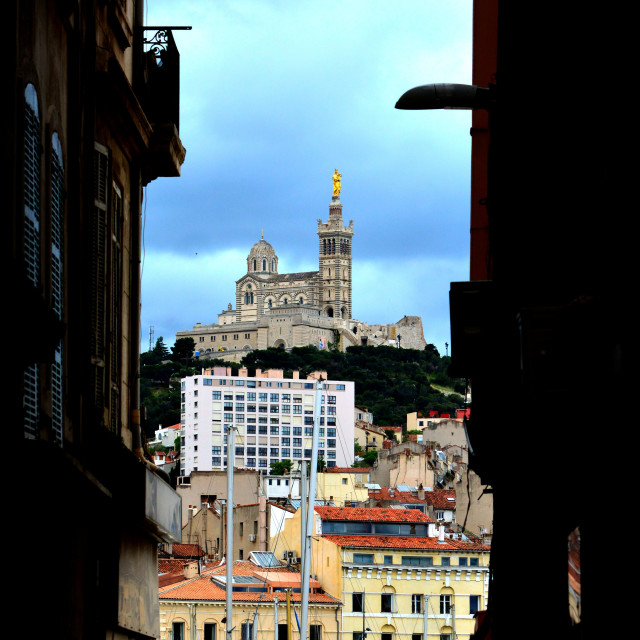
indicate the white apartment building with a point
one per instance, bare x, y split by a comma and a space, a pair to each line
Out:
273, 418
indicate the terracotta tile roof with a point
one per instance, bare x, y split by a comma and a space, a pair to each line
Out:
437, 498
168, 565
203, 587
187, 551
404, 542
365, 514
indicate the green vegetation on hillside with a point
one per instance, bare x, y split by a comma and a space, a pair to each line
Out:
390, 382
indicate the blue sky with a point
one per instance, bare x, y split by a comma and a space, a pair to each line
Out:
276, 94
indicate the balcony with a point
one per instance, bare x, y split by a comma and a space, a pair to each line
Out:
158, 90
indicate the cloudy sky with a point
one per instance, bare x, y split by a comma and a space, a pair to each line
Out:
276, 94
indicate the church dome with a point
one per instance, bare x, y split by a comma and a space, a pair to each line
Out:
262, 258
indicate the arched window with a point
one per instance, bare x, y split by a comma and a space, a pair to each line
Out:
255, 266
301, 300
324, 247
273, 265
264, 265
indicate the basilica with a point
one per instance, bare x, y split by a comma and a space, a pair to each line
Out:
287, 310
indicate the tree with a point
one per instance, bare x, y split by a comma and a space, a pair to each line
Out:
370, 457
321, 466
281, 467
183, 349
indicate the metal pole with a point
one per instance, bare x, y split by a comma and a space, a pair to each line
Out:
303, 514
425, 619
275, 619
310, 513
229, 545
288, 614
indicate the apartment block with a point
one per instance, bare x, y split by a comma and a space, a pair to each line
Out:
273, 418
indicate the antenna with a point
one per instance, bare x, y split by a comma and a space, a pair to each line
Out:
150, 337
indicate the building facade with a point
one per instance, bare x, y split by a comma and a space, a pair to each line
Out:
266, 601
397, 574
286, 310
273, 420
91, 118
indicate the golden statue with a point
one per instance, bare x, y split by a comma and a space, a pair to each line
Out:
336, 183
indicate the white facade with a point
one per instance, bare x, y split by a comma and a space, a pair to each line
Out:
273, 417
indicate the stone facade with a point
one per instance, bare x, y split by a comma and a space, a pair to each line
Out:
288, 310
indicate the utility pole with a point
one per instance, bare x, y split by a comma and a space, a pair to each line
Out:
229, 545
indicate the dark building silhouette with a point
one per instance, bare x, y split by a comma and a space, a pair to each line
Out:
91, 117
544, 324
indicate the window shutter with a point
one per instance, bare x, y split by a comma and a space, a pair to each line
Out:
31, 241
98, 270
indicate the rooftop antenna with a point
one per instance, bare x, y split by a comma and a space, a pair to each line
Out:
150, 337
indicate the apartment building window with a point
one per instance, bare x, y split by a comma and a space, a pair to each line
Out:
386, 603
297, 431
474, 562
297, 453
251, 396
286, 453
445, 562
247, 631
262, 397
357, 602
224, 338
315, 632
416, 603
216, 395
445, 603
474, 604
462, 562
388, 559
274, 397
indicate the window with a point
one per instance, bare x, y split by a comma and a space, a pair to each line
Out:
474, 562
315, 632
420, 561
386, 636
416, 603
445, 562
177, 631
445, 603
363, 558
386, 603
357, 602
388, 559
474, 604
247, 630
462, 562
210, 631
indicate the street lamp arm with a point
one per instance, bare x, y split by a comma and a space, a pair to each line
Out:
445, 96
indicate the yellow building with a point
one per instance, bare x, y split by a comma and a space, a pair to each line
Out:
396, 572
193, 604
343, 485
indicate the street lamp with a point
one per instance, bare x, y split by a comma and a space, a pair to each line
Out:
446, 96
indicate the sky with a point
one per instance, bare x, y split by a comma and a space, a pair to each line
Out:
275, 95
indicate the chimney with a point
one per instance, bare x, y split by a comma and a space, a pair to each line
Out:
190, 570
243, 372
421, 492
296, 375
228, 371
441, 533
258, 373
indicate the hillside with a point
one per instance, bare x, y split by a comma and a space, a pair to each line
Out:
390, 382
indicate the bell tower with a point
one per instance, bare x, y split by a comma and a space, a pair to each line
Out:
334, 272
